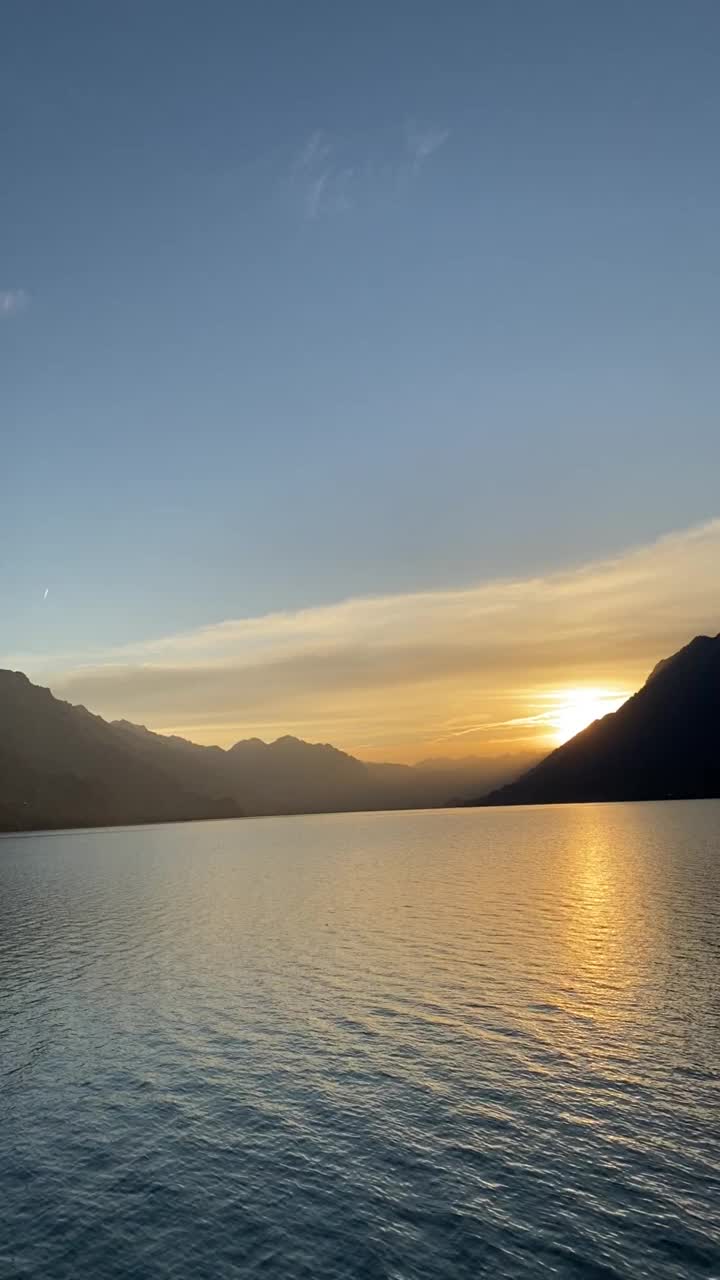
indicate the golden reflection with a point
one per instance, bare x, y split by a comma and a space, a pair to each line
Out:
598, 916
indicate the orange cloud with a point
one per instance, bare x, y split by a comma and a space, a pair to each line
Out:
408, 675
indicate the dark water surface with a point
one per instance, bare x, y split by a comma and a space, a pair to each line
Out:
429, 1045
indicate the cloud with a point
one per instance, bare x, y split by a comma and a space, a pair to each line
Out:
313, 153
314, 194
335, 175
473, 667
422, 143
314, 170
12, 301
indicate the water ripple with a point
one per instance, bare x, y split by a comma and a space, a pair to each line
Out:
403, 1046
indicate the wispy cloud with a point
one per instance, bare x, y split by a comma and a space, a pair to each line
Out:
313, 153
397, 673
328, 183
421, 142
12, 301
334, 175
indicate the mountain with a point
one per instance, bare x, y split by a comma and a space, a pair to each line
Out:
61, 766
663, 743
292, 776
460, 774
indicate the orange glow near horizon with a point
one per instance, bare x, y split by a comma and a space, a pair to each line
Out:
535, 723
577, 708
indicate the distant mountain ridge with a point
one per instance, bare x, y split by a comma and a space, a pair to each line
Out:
62, 766
663, 743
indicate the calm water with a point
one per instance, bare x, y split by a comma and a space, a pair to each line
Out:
446, 1044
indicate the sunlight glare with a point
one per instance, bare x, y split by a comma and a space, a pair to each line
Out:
577, 708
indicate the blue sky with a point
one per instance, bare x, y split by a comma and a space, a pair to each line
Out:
301, 303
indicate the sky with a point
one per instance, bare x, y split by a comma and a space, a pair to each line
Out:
354, 359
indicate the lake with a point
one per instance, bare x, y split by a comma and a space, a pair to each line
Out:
407, 1045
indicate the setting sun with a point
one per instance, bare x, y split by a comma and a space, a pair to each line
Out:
577, 708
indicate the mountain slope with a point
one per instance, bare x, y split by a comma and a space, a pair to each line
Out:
61, 766
663, 743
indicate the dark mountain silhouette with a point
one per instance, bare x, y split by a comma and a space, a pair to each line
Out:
61, 766
292, 776
663, 743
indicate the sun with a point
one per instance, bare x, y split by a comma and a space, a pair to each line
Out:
577, 708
